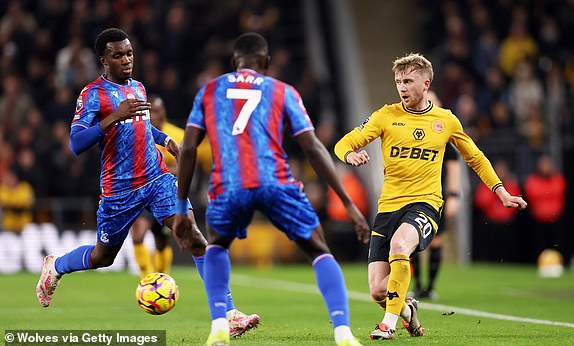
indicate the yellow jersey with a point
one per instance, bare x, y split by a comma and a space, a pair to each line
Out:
17, 204
177, 134
413, 145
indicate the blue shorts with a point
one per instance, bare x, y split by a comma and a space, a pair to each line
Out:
116, 214
286, 206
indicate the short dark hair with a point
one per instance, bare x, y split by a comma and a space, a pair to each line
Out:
250, 44
108, 35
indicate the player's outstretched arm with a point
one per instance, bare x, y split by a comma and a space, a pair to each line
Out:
188, 159
184, 223
321, 162
173, 148
347, 149
508, 200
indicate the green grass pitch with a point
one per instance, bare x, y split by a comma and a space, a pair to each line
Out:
478, 305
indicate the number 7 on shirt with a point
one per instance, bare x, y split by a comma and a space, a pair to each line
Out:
252, 97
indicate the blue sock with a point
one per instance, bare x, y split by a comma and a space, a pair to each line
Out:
216, 279
229, 300
332, 286
75, 260
199, 263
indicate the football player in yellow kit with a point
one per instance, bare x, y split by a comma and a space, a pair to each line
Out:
414, 134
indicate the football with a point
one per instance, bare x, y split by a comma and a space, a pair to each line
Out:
157, 293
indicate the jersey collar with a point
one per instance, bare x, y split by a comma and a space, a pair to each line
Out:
128, 81
429, 107
247, 70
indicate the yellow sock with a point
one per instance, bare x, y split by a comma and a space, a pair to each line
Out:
398, 283
163, 259
143, 258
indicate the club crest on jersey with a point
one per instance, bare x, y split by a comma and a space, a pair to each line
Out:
79, 104
419, 134
437, 126
362, 126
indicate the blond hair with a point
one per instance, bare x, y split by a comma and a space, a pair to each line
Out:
416, 62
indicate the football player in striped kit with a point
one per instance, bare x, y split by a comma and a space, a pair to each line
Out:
113, 111
245, 114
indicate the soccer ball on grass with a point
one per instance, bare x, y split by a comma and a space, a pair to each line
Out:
157, 293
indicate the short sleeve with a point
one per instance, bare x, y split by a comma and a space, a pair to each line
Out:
197, 115
87, 108
296, 113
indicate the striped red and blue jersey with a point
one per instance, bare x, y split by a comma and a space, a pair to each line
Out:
245, 115
128, 156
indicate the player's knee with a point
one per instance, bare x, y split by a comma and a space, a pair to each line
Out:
401, 246
138, 237
378, 296
378, 292
138, 234
313, 247
161, 242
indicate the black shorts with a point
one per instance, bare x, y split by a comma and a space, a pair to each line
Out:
420, 215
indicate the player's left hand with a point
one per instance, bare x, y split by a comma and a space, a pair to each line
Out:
173, 149
360, 223
510, 201
515, 202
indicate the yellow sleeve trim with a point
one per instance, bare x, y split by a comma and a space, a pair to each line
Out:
345, 157
496, 186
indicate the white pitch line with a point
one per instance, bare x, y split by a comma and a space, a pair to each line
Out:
246, 280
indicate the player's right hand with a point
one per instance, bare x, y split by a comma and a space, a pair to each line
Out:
187, 235
358, 158
129, 108
359, 222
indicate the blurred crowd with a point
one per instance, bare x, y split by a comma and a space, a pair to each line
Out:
506, 68
47, 59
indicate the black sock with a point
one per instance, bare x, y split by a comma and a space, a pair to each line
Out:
415, 263
434, 264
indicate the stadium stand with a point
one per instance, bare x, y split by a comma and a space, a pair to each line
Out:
507, 68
